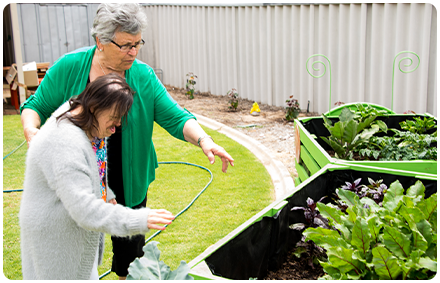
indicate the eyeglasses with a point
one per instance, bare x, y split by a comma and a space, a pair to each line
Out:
128, 47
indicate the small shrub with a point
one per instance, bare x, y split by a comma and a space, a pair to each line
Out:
292, 109
233, 99
190, 82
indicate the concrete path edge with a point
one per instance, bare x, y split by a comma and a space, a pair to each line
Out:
281, 178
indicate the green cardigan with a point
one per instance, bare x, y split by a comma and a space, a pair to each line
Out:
152, 103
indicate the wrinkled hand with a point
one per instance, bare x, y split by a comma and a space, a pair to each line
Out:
113, 201
211, 149
29, 133
159, 216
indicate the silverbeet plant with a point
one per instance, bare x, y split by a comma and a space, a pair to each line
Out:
149, 267
397, 240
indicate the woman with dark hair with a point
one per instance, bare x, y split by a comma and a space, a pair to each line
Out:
66, 204
117, 31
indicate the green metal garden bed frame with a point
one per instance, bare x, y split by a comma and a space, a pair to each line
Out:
312, 156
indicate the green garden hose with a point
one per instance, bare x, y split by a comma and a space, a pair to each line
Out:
163, 162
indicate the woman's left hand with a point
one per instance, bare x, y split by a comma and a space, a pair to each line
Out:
112, 201
211, 149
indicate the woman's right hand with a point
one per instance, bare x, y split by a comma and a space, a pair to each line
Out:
29, 133
159, 216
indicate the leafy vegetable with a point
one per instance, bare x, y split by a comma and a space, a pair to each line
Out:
353, 129
402, 146
418, 125
149, 267
397, 240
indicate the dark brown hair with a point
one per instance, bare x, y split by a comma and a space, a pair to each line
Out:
100, 95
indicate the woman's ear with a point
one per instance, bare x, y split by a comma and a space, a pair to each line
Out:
99, 44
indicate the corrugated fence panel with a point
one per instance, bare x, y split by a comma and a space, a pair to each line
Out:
262, 50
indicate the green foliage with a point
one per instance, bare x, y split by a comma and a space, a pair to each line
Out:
150, 267
356, 132
233, 99
190, 82
397, 240
292, 109
418, 125
402, 146
353, 129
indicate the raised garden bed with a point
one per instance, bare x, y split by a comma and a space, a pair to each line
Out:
313, 152
261, 244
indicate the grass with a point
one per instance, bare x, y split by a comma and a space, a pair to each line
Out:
230, 200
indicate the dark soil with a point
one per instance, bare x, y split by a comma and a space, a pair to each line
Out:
295, 268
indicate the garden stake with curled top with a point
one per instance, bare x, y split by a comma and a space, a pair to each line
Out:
394, 63
325, 69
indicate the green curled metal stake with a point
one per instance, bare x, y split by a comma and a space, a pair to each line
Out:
325, 69
408, 65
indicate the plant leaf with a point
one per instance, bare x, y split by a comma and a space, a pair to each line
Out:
382, 126
348, 197
350, 131
396, 242
385, 264
337, 130
429, 208
336, 146
426, 262
346, 115
365, 123
325, 238
369, 132
374, 225
360, 236
342, 259
416, 190
393, 196
149, 267
334, 273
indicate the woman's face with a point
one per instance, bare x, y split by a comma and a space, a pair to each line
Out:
122, 60
107, 123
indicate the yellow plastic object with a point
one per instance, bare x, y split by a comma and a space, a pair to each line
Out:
255, 110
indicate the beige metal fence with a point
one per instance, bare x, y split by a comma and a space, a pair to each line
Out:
262, 50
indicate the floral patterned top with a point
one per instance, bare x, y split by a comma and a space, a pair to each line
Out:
99, 147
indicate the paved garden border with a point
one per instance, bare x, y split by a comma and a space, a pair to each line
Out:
281, 178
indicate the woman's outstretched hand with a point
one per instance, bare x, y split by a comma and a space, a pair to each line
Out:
159, 216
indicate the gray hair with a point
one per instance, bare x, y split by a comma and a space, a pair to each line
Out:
110, 18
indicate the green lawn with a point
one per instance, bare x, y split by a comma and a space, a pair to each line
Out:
230, 200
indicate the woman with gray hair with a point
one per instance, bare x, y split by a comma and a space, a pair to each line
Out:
117, 30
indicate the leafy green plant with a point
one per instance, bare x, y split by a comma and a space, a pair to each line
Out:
403, 145
292, 109
418, 125
233, 99
190, 82
150, 267
353, 129
397, 240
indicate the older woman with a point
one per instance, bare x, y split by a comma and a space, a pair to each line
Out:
65, 193
117, 29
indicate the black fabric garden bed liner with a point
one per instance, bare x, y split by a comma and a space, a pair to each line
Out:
263, 245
